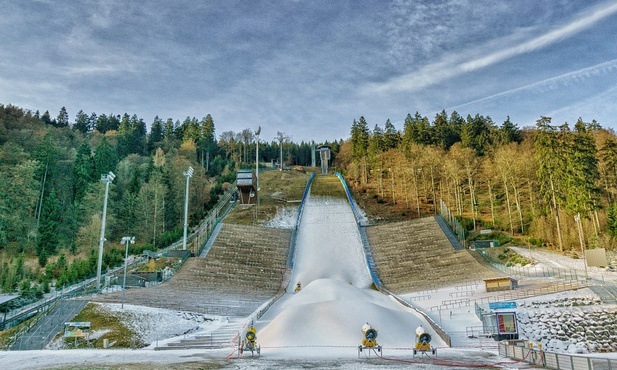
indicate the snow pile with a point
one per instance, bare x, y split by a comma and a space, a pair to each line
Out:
335, 300
330, 312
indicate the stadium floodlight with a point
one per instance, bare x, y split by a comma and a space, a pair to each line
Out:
257, 155
188, 174
105, 179
126, 240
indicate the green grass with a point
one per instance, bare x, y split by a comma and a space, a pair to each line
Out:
119, 335
328, 185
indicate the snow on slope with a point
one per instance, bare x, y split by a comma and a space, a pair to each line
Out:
335, 300
329, 245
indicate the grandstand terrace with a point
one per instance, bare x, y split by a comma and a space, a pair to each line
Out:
245, 267
415, 255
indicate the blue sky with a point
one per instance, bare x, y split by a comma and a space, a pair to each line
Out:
308, 68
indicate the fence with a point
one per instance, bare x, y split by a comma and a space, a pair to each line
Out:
202, 233
552, 360
455, 226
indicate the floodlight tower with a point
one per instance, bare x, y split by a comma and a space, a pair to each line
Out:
105, 179
257, 155
126, 240
188, 174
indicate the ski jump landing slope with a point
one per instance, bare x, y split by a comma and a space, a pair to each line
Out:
336, 299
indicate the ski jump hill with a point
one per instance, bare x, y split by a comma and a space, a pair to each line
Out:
246, 267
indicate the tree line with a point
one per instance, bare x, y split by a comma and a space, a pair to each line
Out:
51, 196
549, 184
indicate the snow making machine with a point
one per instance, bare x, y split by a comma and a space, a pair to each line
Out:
249, 343
369, 342
423, 342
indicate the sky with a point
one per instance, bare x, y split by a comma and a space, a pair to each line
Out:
309, 68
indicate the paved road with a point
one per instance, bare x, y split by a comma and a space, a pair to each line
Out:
50, 325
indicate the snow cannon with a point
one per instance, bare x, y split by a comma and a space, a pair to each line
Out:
423, 342
249, 343
298, 286
369, 342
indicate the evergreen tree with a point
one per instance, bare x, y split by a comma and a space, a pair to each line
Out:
478, 133
417, 130
156, 134
105, 158
581, 171
509, 132
376, 142
82, 122
92, 122
48, 229
551, 156
359, 138
63, 118
46, 118
207, 141
83, 171
391, 136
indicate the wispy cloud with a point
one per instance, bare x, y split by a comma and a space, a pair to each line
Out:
453, 65
550, 83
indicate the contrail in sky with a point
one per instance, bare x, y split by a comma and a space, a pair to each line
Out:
604, 67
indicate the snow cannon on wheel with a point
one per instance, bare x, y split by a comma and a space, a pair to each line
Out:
249, 343
423, 342
369, 342
298, 287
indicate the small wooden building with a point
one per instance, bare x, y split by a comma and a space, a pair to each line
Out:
500, 283
246, 183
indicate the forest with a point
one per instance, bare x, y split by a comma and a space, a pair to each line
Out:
550, 185
51, 194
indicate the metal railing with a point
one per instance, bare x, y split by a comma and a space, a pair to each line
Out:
365, 243
551, 360
294, 237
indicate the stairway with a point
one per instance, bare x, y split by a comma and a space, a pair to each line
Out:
222, 337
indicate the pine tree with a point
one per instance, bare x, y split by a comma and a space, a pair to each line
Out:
392, 138
83, 171
82, 122
48, 229
63, 118
105, 158
156, 134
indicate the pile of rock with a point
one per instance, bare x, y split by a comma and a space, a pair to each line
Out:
569, 325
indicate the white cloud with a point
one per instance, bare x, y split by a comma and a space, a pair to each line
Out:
455, 64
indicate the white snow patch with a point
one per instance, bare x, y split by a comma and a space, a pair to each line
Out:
285, 218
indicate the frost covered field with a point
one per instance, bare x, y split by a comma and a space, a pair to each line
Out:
320, 326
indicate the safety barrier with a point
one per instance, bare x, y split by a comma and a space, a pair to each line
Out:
365, 244
552, 360
294, 236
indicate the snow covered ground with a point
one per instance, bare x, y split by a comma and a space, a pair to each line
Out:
319, 326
